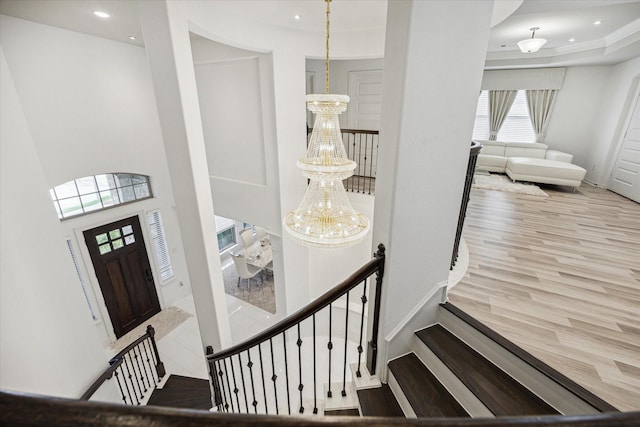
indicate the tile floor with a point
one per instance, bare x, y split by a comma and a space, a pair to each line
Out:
181, 349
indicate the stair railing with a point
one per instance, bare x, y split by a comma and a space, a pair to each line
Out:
137, 370
271, 372
362, 147
471, 167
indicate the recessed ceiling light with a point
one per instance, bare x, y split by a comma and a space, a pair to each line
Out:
132, 37
297, 17
598, 22
101, 14
572, 39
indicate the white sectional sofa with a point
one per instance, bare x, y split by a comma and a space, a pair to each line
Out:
532, 162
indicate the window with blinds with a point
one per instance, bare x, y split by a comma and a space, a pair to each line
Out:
81, 280
517, 125
160, 249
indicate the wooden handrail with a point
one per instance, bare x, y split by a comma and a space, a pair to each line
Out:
21, 409
309, 310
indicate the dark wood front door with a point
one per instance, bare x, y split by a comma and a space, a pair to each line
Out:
120, 260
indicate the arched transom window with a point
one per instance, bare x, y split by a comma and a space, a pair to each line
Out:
97, 192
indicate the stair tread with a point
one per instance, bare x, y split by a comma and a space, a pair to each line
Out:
379, 402
183, 392
498, 391
343, 413
427, 396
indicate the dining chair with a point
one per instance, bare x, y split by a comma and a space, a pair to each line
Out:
247, 237
244, 270
260, 232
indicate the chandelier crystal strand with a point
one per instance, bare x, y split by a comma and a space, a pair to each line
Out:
325, 217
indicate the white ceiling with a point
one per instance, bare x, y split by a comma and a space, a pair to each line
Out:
616, 39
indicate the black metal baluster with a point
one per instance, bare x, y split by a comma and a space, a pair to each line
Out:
221, 381
149, 358
124, 397
132, 377
359, 157
140, 357
124, 378
140, 372
235, 385
286, 370
364, 302
330, 347
264, 388
300, 385
274, 376
371, 177
364, 169
254, 403
346, 333
226, 373
315, 400
244, 388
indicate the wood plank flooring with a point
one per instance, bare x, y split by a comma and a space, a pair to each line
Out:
560, 277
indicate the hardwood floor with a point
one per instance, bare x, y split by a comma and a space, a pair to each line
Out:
560, 277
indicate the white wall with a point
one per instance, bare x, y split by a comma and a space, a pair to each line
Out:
235, 94
90, 108
49, 344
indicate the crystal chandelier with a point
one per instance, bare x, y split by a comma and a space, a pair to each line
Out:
325, 218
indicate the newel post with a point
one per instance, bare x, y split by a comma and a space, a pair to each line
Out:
159, 365
217, 396
372, 352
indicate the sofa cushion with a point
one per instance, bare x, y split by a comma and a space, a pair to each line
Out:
489, 160
545, 168
526, 149
559, 156
494, 148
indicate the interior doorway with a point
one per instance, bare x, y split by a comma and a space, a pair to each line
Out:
120, 260
625, 178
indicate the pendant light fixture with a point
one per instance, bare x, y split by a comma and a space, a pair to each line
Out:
533, 44
325, 218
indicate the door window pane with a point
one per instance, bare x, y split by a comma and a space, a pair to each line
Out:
114, 234
127, 229
129, 239
117, 244
105, 249
102, 238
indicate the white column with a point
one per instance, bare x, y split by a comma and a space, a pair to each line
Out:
433, 65
290, 104
166, 36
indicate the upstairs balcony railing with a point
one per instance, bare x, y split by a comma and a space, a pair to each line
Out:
362, 147
285, 369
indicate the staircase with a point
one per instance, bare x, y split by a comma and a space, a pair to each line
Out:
460, 368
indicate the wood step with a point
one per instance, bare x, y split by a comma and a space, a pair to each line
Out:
343, 413
379, 402
183, 392
497, 390
423, 391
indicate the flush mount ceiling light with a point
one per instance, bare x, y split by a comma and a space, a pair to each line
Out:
325, 218
533, 44
101, 14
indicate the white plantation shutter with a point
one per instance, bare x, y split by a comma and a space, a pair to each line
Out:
81, 280
160, 249
481, 125
517, 126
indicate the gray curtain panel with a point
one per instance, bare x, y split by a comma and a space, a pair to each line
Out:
539, 103
500, 102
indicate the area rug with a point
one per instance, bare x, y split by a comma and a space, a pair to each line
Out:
260, 294
503, 183
163, 323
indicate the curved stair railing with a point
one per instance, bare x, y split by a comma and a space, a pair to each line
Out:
282, 369
137, 370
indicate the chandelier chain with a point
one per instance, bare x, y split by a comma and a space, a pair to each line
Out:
326, 64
